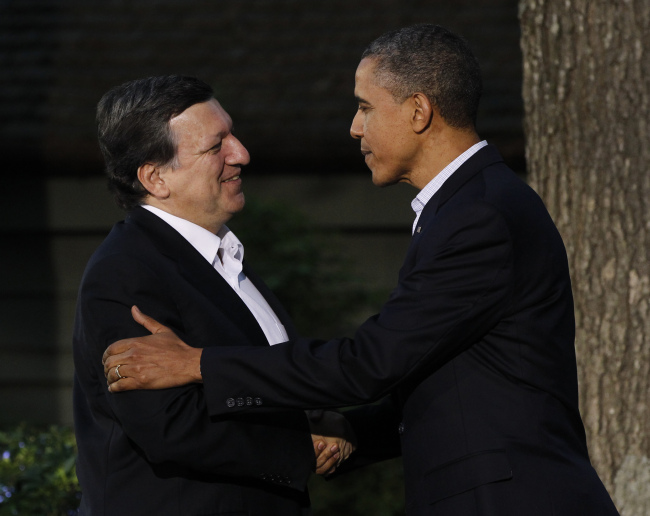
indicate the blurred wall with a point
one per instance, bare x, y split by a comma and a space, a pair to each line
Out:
284, 69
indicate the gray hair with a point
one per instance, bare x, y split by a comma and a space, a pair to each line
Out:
133, 128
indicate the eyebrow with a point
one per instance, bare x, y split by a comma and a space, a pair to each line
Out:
218, 144
221, 136
361, 100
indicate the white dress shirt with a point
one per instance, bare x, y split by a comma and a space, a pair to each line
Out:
434, 185
225, 253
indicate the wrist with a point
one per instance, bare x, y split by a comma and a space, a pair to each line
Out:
196, 375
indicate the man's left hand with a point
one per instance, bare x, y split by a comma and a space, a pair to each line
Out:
158, 361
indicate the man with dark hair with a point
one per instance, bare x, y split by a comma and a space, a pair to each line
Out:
475, 344
174, 164
133, 128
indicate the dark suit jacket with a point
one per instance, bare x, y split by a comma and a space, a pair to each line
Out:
159, 452
477, 345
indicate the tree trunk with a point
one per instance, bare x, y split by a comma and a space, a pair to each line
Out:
587, 107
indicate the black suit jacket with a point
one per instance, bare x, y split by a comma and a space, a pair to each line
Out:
159, 452
476, 344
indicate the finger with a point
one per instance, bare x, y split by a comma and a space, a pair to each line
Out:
319, 446
111, 375
125, 384
148, 322
346, 451
323, 454
116, 348
329, 466
113, 360
327, 455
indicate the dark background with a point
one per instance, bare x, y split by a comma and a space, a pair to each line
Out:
283, 69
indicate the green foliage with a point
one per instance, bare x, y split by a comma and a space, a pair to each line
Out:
317, 287
297, 262
37, 472
376, 490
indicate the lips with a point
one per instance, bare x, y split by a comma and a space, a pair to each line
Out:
233, 178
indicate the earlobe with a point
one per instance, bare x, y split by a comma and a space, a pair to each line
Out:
151, 179
422, 112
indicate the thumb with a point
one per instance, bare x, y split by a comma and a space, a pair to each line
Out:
148, 322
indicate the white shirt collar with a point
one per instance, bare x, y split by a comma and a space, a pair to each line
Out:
229, 267
204, 241
434, 185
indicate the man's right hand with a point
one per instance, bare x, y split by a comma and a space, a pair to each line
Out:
332, 429
327, 455
157, 361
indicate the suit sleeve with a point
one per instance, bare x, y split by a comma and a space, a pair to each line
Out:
376, 428
452, 291
172, 427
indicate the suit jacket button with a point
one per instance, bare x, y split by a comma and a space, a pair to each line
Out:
240, 402
258, 401
249, 401
230, 402
400, 428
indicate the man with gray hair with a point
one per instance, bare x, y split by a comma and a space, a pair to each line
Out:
174, 165
475, 345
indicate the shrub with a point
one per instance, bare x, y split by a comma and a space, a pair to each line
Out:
297, 262
377, 489
37, 472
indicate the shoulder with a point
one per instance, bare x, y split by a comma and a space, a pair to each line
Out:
126, 254
497, 193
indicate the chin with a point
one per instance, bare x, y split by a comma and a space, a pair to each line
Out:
240, 205
379, 180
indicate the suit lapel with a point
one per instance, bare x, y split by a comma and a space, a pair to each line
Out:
483, 158
198, 272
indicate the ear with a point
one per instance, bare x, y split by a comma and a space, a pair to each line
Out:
422, 112
151, 177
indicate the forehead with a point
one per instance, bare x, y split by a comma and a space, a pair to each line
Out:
365, 74
202, 122
367, 86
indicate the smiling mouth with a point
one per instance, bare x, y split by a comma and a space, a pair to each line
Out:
233, 178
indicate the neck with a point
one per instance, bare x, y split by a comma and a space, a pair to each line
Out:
210, 225
441, 149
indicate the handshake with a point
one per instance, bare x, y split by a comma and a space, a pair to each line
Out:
163, 360
333, 439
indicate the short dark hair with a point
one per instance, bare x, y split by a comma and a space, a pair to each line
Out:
133, 128
432, 60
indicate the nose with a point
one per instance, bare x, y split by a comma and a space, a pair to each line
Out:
238, 154
356, 129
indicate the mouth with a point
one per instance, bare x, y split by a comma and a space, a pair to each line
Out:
365, 152
233, 178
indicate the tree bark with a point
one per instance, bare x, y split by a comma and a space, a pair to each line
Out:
587, 121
